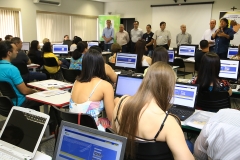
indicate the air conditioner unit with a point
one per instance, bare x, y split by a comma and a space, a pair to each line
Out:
49, 2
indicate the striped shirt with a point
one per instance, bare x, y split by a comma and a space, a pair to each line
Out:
219, 139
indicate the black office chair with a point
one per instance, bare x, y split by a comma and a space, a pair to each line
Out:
22, 67
5, 105
70, 74
180, 63
213, 101
141, 70
7, 90
51, 62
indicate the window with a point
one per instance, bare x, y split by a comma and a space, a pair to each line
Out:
10, 22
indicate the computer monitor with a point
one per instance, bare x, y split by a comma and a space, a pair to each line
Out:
126, 60
80, 142
171, 56
127, 85
232, 52
60, 49
229, 69
185, 95
25, 46
187, 50
90, 44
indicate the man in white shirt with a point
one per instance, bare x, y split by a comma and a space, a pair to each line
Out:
219, 138
162, 37
122, 38
208, 33
136, 34
183, 37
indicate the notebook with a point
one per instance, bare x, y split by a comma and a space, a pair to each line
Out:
79, 142
183, 100
127, 85
22, 133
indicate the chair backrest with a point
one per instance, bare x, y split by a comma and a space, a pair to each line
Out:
22, 68
141, 70
5, 105
179, 62
7, 90
213, 101
50, 62
70, 74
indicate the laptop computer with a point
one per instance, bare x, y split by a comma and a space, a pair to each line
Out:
229, 71
183, 100
126, 63
80, 142
22, 133
60, 49
232, 52
127, 85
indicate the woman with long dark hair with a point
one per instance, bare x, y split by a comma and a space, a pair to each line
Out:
142, 60
35, 54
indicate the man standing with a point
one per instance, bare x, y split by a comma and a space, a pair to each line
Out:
9, 73
184, 37
149, 40
204, 45
108, 36
222, 37
136, 34
162, 37
208, 34
122, 38
22, 58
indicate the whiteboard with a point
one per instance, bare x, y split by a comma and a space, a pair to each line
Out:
195, 17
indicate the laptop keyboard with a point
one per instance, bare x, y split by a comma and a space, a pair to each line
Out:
233, 86
182, 114
4, 156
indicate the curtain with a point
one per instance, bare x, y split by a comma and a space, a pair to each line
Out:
10, 23
84, 27
52, 26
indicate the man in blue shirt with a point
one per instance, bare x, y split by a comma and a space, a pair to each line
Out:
108, 36
222, 37
9, 73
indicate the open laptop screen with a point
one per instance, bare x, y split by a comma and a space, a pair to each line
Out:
126, 60
25, 46
229, 69
127, 85
185, 95
232, 52
90, 44
171, 55
76, 143
23, 130
185, 50
60, 49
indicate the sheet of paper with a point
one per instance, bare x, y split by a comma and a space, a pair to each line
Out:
50, 93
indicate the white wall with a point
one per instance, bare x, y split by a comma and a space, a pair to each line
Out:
28, 12
142, 11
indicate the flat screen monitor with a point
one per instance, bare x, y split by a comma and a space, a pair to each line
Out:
171, 55
90, 44
60, 49
25, 46
229, 69
187, 50
126, 60
232, 52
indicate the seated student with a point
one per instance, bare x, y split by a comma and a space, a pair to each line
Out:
8, 37
115, 48
90, 92
35, 55
159, 54
237, 56
46, 40
142, 60
9, 73
204, 45
143, 117
75, 41
219, 138
22, 58
47, 53
208, 78
77, 55
108, 69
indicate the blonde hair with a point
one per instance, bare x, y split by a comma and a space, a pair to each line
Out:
45, 40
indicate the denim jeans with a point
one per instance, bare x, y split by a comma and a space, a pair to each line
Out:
107, 47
